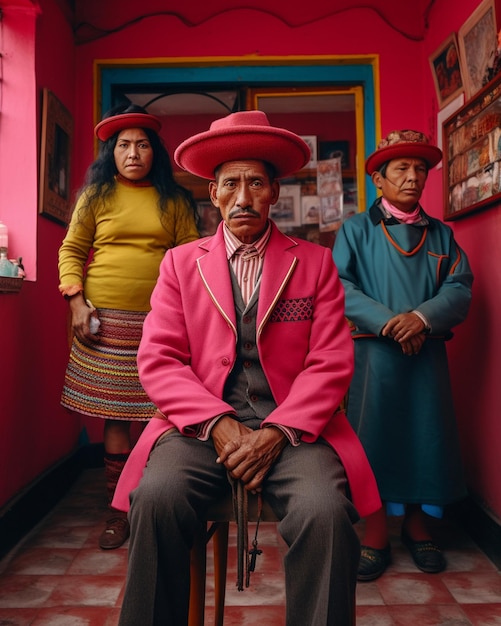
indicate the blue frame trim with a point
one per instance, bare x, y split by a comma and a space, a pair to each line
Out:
302, 75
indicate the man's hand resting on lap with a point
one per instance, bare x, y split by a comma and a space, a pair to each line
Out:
247, 454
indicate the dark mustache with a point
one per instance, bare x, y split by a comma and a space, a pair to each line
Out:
247, 211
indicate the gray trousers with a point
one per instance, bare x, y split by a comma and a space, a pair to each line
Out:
306, 490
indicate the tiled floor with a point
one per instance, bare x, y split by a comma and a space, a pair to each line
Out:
59, 577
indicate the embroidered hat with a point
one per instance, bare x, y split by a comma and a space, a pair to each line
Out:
113, 124
242, 136
403, 143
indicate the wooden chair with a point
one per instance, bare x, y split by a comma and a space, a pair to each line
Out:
218, 521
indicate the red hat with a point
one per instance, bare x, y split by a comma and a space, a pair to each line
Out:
242, 136
111, 125
403, 144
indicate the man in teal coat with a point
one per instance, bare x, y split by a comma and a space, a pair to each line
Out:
407, 284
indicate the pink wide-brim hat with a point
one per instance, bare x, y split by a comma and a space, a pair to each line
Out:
115, 123
242, 136
403, 144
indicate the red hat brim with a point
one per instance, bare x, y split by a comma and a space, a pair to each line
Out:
431, 154
203, 153
111, 125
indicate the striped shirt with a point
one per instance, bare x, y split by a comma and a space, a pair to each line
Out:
246, 260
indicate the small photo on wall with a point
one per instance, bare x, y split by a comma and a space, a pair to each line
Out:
286, 212
310, 209
311, 140
331, 213
446, 71
335, 149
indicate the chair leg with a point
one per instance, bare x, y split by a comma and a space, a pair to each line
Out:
220, 546
198, 567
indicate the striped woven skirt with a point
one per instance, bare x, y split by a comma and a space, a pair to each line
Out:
101, 378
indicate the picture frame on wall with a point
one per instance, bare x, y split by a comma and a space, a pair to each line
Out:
286, 212
310, 209
446, 71
330, 192
472, 154
445, 113
333, 149
55, 159
477, 40
311, 140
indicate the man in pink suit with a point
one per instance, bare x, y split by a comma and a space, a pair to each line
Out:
247, 355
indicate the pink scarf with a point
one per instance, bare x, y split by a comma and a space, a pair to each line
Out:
408, 218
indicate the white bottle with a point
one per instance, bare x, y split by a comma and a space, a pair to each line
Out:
4, 239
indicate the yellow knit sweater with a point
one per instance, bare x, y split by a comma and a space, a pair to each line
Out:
125, 242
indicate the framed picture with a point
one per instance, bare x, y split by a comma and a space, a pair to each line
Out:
311, 140
55, 159
472, 154
443, 114
310, 209
446, 71
334, 149
330, 192
477, 39
331, 212
286, 212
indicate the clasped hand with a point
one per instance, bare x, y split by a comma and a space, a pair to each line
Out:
408, 330
247, 454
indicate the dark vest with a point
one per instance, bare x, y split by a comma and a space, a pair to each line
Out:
247, 389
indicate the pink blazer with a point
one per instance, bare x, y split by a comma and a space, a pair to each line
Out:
189, 348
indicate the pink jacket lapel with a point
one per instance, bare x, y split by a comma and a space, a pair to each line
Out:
277, 269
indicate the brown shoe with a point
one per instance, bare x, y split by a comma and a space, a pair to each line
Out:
115, 534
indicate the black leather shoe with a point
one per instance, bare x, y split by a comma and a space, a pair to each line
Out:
426, 555
373, 562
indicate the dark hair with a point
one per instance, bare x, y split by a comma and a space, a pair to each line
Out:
383, 168
100, 181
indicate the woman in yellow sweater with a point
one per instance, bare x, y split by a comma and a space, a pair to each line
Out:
128, 213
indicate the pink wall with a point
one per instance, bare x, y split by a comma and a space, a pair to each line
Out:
35, 432
19, 99
474, 353
407, 99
